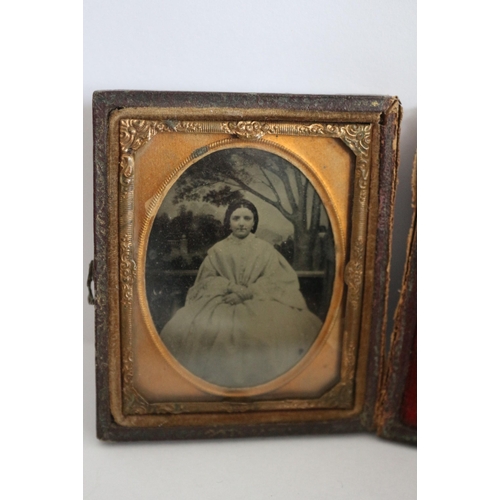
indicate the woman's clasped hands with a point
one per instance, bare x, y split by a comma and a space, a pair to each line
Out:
236, 294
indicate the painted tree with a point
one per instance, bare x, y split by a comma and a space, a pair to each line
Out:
225, 176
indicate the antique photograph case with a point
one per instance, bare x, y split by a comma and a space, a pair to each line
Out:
242, 244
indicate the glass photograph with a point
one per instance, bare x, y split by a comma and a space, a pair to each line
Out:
240, 266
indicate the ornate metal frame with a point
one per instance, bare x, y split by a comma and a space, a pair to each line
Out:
364, 133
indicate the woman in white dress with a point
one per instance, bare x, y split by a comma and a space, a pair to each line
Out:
245, 321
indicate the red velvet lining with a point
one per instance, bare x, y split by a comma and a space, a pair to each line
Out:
409, 403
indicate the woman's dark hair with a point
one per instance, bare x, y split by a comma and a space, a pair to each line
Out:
241, 204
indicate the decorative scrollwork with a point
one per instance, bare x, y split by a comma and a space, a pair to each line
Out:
127, 265
248, 129
133, 402
136, 133
363, 179
126, 173
128, 269
357, 137
190, 127
314, 129
354, 272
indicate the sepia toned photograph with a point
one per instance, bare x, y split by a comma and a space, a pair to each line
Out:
240, 266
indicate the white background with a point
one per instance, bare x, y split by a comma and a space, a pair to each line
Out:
330, 47
321, 47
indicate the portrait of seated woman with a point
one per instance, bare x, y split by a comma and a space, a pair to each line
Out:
244, 321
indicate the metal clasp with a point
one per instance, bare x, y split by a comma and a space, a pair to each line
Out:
90, 278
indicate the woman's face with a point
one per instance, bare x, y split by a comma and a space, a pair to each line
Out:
241, 222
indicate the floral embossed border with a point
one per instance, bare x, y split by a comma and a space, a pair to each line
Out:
135, 133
